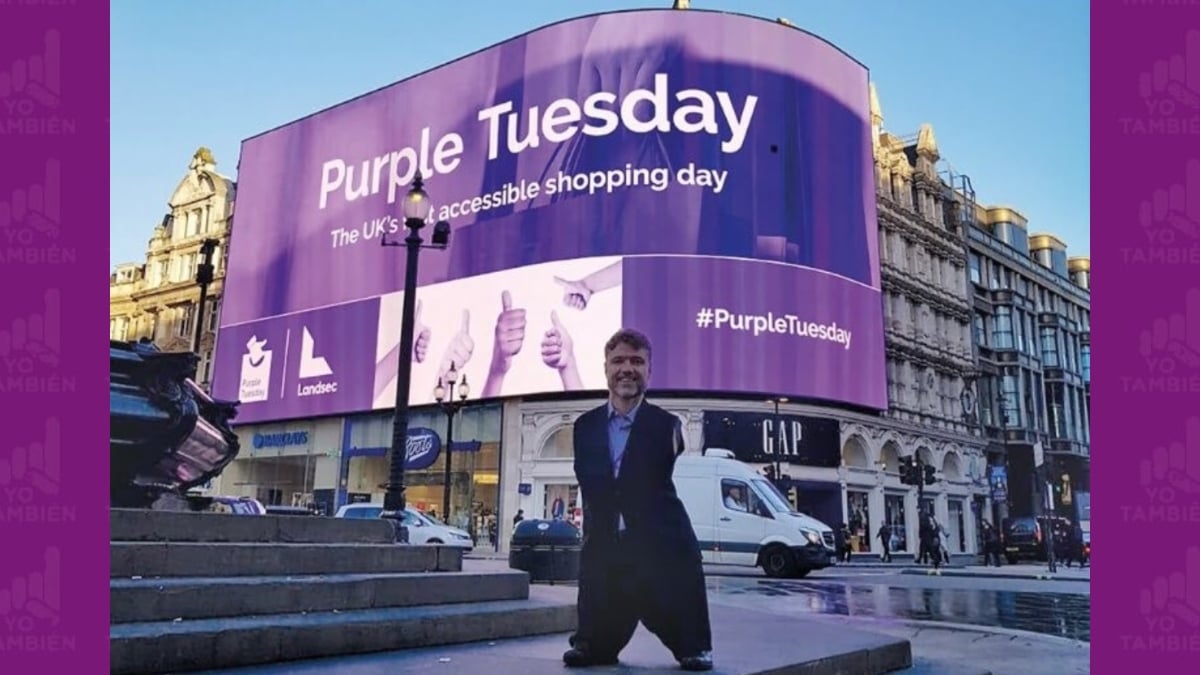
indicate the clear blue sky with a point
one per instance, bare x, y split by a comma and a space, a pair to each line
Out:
1005, 84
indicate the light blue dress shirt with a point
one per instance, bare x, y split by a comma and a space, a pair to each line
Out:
618, 436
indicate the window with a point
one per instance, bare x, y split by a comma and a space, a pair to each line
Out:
736, 496
1002, 334
204, 370
1085, 358
1019, 326
1031, 343
118, 328
183, 323
1050, 347
767, 494
859, 519
214, 314
1056, 409
1011, 406
980, 330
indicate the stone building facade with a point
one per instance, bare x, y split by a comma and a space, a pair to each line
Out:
158, 298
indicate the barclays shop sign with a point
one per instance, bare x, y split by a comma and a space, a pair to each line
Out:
281, 439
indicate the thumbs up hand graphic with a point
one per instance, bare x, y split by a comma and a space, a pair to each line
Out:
460, 349
510, 334
558, 351
421, 334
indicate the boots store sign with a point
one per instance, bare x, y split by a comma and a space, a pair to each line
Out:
765, 437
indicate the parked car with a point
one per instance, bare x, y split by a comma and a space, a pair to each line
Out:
422, 529
741, 518
279, 510
1024, 538
241, 506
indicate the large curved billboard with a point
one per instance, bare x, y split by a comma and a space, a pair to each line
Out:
703, 177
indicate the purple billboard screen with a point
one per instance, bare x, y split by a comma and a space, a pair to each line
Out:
704, 177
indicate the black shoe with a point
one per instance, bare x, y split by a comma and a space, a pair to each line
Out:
582, 658
699, 662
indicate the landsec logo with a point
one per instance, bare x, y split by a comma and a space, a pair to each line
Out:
313, 366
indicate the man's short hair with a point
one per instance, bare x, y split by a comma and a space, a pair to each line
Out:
628, 336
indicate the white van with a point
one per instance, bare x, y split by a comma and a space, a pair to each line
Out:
740, 518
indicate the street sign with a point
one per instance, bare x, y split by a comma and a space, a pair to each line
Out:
1039, 456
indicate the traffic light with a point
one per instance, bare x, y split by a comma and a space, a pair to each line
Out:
907, 470
930, 477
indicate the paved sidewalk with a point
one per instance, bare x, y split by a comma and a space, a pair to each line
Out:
745, 642
495, 561
1008, 572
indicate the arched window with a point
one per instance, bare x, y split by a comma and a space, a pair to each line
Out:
854, 453
560, 445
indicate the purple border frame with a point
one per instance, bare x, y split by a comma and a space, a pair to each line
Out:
54, 136
1146, 199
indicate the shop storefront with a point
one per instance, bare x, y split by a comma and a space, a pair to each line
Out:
836, 470
286, 464
475, 458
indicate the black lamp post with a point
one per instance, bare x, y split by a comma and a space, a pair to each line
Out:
204, 277
451, 408
775, 448
416, 211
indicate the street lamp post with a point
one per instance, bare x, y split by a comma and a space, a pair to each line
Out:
416, 211
204, 277
451, 408
775, 448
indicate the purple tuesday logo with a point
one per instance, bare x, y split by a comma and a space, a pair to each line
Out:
31, 609
30, 349
1170, 348
31, 480
31, 93
1171, 220
31, 222
1171, 609
1170, 479
1170, 90
255, 382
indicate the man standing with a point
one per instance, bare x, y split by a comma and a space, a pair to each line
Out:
640, 558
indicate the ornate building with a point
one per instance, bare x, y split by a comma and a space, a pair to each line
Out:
930, 360
158, 298
1032, 331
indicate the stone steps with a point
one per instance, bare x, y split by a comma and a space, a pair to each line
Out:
199, 644
203, 559
191, 598
193, 591
185, 526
